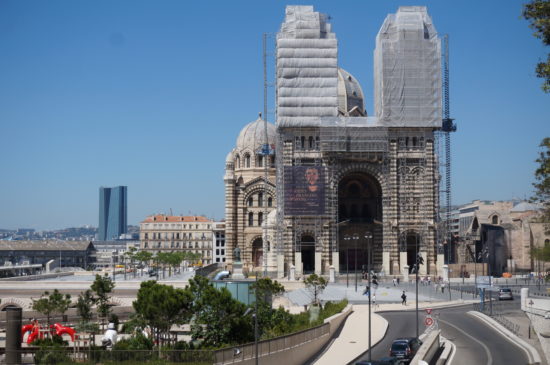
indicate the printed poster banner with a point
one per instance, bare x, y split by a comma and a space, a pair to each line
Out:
304, 189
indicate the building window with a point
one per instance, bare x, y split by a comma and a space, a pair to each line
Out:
260, 161
247, 160
217, 251
250, 201
238, 159
260, 218
260, 199
269, 202
495, 219
310, 142
250, 219
223, 252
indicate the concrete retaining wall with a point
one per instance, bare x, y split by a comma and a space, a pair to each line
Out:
294, 349
430, 346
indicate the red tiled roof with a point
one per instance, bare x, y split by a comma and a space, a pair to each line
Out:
174, 218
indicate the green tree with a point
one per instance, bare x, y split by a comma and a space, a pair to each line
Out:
218, 318
160, 306
84, 305
102, 287
143, 257
537, 12
265, 289
316, 284
51, 304
130, 256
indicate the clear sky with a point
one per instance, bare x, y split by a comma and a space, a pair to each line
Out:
152, 95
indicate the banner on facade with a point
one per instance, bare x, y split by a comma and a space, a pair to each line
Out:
304, 190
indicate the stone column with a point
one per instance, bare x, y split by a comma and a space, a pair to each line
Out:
298, 263
336, 262
423, 268
386, 262
405, 273
402, 261
318, 261
440, 263
280, 265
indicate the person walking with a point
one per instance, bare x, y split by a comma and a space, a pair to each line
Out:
403, 298
394, 281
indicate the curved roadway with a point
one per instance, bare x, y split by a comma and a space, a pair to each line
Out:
475, 342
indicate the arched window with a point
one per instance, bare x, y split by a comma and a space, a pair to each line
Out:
260, 199
238, 159
260, 218
250, 201
495, 219
247, 160
310, 142
415, 142
260, 161
303, 142
270, 202
250, 219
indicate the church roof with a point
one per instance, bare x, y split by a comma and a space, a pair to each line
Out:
525, 206
252, 136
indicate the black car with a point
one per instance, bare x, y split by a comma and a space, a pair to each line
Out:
405, 348
384, 361
152, 273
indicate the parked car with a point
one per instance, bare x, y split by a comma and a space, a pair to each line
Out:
505, 294
152, 272
405, 348
384, 361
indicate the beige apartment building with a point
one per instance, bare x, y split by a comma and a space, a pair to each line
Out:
166, 233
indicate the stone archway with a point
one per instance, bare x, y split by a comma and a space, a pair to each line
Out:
257, 252
359, 213
307, 247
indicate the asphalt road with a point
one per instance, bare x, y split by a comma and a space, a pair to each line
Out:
475, 342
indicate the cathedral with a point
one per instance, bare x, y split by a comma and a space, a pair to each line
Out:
329, 186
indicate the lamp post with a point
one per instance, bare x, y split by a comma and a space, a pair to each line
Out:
347, 238
114, 271
356, 238
368, 236
419, 261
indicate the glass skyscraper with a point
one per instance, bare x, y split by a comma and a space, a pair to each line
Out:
113, 217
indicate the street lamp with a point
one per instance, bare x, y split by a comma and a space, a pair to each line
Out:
347, 238
368, 236
419, 261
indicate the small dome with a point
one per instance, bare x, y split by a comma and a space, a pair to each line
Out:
252, 135
229, 157
350, 95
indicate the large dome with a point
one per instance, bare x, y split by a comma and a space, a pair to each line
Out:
252, 135
350, 95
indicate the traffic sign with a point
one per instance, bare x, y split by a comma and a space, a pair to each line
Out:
429, 310
428, 321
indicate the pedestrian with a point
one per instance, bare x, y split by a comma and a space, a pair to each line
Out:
394, 281
367, 290
403, 298
429, 280
442, 288
398, 279
374, 299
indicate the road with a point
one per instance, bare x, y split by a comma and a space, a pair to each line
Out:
475, 342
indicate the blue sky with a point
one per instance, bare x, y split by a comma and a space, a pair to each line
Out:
152, 95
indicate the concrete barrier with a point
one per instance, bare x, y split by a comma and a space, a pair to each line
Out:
430, 346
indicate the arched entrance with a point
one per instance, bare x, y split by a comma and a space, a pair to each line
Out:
359, 219
412, 246
257, 252
307, 247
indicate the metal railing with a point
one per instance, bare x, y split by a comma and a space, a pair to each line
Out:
240, 353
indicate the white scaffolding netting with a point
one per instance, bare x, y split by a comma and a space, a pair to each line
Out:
307, 67
407, 70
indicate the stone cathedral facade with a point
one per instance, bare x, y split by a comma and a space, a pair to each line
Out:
347, 189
